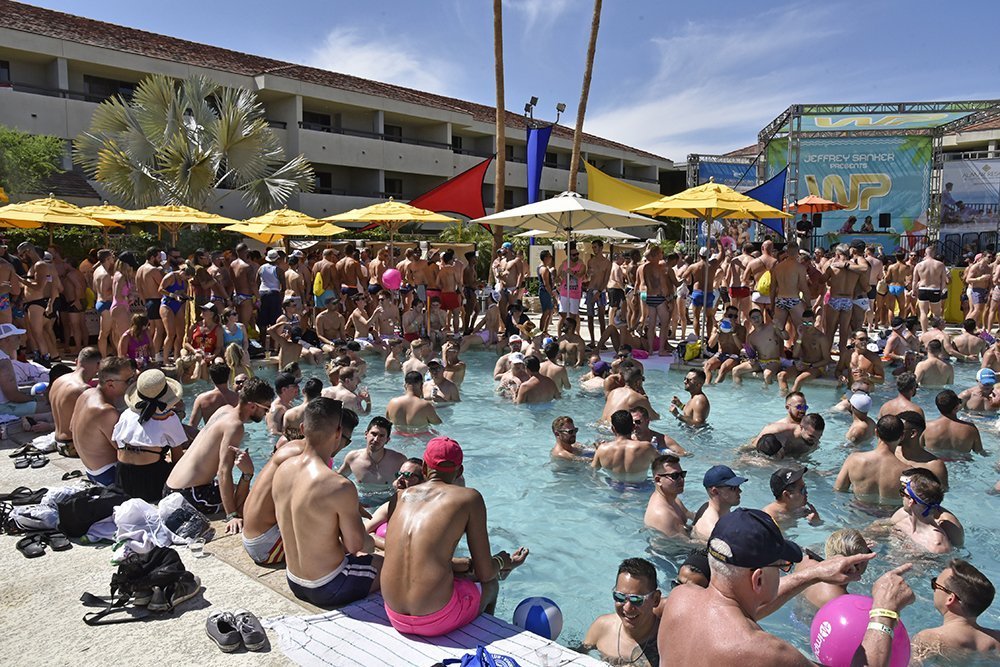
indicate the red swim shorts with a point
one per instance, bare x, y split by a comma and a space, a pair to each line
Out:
451, 301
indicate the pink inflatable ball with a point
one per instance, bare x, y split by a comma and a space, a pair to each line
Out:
839, 627
380, 531
392, 279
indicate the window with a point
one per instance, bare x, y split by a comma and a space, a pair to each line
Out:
4, 71
324, 182
102, 88
551, 160
508, 198
312, 120
456, 143
392, 132
509, 152
394, 187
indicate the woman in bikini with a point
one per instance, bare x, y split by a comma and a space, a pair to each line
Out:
174, 288
135, 342
124, 294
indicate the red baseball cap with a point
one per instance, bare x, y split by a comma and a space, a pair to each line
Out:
443, 454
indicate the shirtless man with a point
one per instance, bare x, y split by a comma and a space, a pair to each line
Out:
317, 511
244, 284
874, 475
10, 285
930, 280
961, 594
440, 389
730, 337
862, 302
598, 277
862, 365
64, 393
348, 392
966, 346
376, 268
766, 344
94, 419
695, 411
795, 440
898, 278
552, 369
286, 389
375, 466
70, 304
536, 388
917, 520
411, 412
979, 278
948, 433
350, 272
420, 351
295, 279
330, 277
665, 511
470, 282
147, 280
207, 403
625, 459
934, 371
42, 287
754, 271
450, 283
811, 354
723, 488
628, 397
718, 625
981, 398
789, 291
330, 324
628, 636
791, 498
503, 362
204, 475
422, 594
617, 282
911, 449
571, 345
702, 276
659, 284
363, 325
843, 276
739, 291
566, 447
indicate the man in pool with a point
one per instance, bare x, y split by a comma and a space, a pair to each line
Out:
626, 460
948, 433
375, 466
317, 512
961, 594
537, 388
208, 402
791, 500
695, 411
911, 449
982, 399
796, 407
566, 447
204, 475
665, 512
503, 363
422, 594
919, 519
286, 388
843, 542
862, 427
797, 440
694, 570
874, 475
439, 389
723, 488
629, 396
718, 625
661, 441
628, 636
411, 412
934, 371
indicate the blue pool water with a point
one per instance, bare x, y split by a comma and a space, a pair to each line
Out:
578, 529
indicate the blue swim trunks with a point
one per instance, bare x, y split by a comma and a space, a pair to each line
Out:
698, 298
350, 582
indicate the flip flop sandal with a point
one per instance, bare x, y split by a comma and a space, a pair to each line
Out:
31, 546
39, 461
21, 451
57, 541
19, 492
73, 474
23, 462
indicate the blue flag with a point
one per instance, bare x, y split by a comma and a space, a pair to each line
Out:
772, 193
538, 142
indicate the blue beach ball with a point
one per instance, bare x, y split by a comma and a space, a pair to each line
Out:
539, 615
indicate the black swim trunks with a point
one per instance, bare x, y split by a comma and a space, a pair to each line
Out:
206, 498
152, 309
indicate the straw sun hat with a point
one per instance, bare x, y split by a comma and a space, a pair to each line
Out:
153, 392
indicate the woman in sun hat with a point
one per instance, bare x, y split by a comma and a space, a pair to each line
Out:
146, 432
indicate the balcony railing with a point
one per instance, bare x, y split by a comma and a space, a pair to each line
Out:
381, 136
277, 124
53, 92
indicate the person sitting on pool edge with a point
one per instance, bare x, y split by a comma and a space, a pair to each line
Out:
422, 594
317, 510
961, 594
628, 636
626, 460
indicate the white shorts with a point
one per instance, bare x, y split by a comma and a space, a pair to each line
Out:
757, 297
568, 305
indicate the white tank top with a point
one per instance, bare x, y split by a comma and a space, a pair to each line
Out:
269, 278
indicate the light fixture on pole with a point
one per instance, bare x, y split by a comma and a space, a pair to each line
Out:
560, 107
529, 107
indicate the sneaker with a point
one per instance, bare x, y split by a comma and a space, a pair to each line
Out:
142, 598
184, 590
251, 630
221, 628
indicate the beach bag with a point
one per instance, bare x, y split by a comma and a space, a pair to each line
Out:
78, 512
160, 567
764, 284
692, 350
318, 285
482, 658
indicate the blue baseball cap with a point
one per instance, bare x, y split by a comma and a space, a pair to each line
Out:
753, 540
507, 245
722, 476
986, 376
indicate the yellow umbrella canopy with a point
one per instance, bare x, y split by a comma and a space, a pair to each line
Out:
172, 217
279, 223
101, 212
710, 200
47, 211
391, 214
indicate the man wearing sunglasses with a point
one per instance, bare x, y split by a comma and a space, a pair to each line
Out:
961, 594
797, 440
718, 625
566, 446
628, 636
796, 407
665, 512
811, 353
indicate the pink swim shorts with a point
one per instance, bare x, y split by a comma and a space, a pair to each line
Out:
462, 609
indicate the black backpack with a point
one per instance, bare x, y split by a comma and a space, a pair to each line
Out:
161, 567
80, 511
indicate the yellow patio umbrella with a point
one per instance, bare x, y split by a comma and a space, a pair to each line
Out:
275, 225
3, 196
98, 213
391, 214
48, 211
172, 217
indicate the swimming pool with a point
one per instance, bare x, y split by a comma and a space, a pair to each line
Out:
579, 529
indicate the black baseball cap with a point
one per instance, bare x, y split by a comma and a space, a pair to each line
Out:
754, 540
769, 444
785, 477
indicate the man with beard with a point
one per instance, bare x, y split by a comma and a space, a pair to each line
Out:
147, 280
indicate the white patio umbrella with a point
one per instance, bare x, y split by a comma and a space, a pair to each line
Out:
567, 213
610, 234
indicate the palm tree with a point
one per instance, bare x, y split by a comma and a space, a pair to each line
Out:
574, 165
175, 141
501, 121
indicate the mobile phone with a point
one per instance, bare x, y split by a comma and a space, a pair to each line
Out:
812, 554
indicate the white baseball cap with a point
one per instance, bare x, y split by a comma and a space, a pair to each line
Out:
8, 330
861, 402
515, 339
516, 358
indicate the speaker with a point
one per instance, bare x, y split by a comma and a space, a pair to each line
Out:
884, 220
817, 220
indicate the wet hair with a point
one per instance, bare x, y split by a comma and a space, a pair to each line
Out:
769, 444
292, 367
794, 394
313, 388
913, 418
348, 373
846, 542
621, 423
925, 484
256, 390
947, 401
218, 373
698, 373
561, 422
88, 354
631, 373
906, 382
889, 428
551, 351
382, 423
413, 379
415, 460
349, 420
111, 367
969, 325
815, 420
641, 409
663, 460
639, 568
935, 346
970, 586
323, 415
532, 364
284, 380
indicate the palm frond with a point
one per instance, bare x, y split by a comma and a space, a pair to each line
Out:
190, 171
274, 190
156, 106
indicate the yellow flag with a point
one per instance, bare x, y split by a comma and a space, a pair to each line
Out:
613, 192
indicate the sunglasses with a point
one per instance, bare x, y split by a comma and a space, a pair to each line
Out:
935, 586
635, 600
783, 565
673, 475
568, 430
265, 408
802, 408
409, 475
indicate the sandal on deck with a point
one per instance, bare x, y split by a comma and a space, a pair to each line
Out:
57, 540
31, 546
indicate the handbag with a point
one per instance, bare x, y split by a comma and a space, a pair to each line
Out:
78, 512
482, 658
160, 567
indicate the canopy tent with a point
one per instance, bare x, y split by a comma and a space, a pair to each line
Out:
614, 192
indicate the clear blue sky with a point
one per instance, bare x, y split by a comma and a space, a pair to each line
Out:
671, 78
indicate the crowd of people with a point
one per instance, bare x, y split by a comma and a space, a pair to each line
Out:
772, 315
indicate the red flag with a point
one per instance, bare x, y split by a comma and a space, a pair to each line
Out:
462, 194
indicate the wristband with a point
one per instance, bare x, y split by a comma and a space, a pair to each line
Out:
881, 627
232, 515
244, 476
499, 564
888, 613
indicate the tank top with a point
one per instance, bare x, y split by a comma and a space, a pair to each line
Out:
205, 340
541, 283
269, 278
571, 286
237, 337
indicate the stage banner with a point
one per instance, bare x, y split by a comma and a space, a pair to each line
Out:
538, 142
971, 191
867, 175
740, 177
